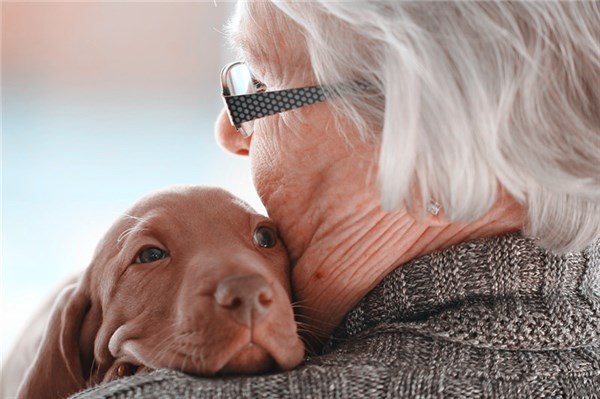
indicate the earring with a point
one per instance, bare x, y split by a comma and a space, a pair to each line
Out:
433, 207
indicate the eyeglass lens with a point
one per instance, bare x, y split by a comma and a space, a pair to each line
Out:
240, 80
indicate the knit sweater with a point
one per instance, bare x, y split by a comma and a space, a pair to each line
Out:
496, 317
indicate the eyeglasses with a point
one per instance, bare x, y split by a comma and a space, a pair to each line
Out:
247, 99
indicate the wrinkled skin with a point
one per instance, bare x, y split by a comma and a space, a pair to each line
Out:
180, 311
317, 178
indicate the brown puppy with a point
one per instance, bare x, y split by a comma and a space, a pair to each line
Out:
190, 278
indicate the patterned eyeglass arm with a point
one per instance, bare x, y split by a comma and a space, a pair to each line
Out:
247, 107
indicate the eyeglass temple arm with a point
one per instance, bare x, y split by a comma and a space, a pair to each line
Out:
248, 107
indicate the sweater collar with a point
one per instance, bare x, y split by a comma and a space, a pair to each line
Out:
501, 292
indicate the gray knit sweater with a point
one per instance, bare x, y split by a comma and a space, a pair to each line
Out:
496, 317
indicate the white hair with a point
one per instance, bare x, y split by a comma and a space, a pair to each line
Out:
470, 97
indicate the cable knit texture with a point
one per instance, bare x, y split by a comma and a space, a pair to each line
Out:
497, 317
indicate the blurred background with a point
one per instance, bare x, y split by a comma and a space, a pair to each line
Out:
101, 103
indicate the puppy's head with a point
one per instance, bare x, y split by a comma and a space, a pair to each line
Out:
190, 278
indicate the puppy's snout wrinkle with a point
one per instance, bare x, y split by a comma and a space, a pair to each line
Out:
247, 298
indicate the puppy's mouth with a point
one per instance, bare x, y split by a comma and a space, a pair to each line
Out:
250, 359
250, 356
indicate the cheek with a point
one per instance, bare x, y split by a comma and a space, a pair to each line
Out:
285, 151
266, 149
283, 273
145, 289
268, 155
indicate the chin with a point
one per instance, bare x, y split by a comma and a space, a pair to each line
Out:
251, 359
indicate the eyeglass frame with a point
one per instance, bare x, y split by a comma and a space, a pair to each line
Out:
285, 100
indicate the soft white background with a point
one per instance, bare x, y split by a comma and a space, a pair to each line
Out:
101, 103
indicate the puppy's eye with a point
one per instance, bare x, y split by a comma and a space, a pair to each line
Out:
150, 254
265, 237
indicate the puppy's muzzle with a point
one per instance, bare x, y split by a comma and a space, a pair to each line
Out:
247, 298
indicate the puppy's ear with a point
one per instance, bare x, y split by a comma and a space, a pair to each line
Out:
57, 370
88, 332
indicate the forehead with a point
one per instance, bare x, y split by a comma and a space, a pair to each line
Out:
190, 210
270, 42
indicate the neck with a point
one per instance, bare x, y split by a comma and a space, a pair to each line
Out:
347, 254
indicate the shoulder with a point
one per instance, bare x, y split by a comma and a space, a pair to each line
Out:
390, 362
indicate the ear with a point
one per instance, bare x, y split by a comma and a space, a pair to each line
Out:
88, 331
57, 370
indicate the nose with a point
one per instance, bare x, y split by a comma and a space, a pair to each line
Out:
247, 298
229, 138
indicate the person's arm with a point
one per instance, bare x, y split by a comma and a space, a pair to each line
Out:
311, 380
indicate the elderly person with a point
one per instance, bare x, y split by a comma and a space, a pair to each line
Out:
436, 179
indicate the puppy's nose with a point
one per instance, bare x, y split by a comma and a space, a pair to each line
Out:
248, 298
